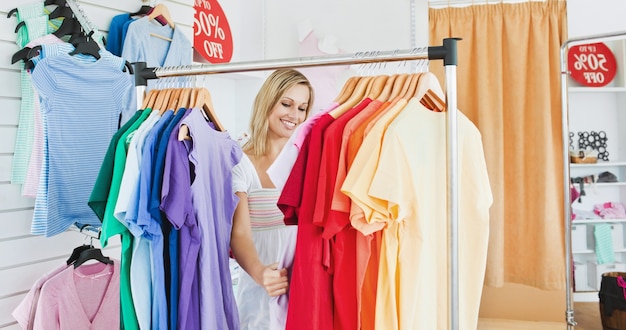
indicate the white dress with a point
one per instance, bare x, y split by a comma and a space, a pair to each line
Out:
274, 242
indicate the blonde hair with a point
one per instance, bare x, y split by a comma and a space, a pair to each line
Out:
270, 93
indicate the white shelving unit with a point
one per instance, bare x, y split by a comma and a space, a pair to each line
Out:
599, 109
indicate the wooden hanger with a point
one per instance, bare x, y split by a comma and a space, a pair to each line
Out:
376, 86
161, 97
410, 86
383, 96
347, 89
398, 85
429, 92
203, 103
355, 97
162, 10
148, 100
173, 100
184, 99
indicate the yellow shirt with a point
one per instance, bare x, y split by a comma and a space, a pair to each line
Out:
408, 194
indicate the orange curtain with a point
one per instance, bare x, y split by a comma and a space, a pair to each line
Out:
509, 86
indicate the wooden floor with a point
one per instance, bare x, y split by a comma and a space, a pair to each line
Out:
500, 324
586, 315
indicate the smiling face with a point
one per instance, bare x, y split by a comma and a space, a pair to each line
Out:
288, 112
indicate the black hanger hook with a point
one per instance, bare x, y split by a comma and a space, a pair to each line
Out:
19, 25
13, 11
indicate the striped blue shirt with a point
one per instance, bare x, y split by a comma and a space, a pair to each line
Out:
81, 102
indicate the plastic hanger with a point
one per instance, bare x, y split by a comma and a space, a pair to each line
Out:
356, 96
161, 10
76, 253
20, 55
144, 10
11, 12
61, 12
59, 3
87, 46
92, 254
69, 26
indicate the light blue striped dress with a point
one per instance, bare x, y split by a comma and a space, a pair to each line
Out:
81, 102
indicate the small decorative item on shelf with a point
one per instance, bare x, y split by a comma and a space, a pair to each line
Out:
583, 156
595, 141
607, 176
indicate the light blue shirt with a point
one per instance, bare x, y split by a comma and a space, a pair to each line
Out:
141, 46
77, 103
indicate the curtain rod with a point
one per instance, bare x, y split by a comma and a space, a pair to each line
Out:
446, 52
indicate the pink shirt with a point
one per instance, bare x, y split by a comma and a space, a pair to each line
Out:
24, 313
86, 297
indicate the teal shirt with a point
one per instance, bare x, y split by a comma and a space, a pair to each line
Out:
111, 227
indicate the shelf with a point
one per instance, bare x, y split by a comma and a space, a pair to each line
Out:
593, 251
594, 221
598, 164
597, 89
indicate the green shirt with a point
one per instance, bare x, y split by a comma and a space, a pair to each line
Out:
100, 192
111, 227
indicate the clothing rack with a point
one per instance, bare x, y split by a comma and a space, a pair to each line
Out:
569, 313
446, 52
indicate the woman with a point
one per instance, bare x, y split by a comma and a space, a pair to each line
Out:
259, 236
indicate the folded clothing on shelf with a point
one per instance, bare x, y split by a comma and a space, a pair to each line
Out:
610, 210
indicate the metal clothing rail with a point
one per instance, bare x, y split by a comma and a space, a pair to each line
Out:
447, 52
569, 313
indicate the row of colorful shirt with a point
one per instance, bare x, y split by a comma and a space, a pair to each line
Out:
174, 262
367, 190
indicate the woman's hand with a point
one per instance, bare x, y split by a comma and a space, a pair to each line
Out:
274, 280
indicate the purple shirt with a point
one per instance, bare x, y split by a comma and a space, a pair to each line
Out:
213, 155
177, 206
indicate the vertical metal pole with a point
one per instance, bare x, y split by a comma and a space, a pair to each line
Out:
453, 195
448, 52
569, 301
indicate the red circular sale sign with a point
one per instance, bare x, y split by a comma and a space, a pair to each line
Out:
212, 38
592, 65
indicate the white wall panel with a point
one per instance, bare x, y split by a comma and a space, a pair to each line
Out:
7, 136
10, 108
25, 257
15, 224
11, 198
